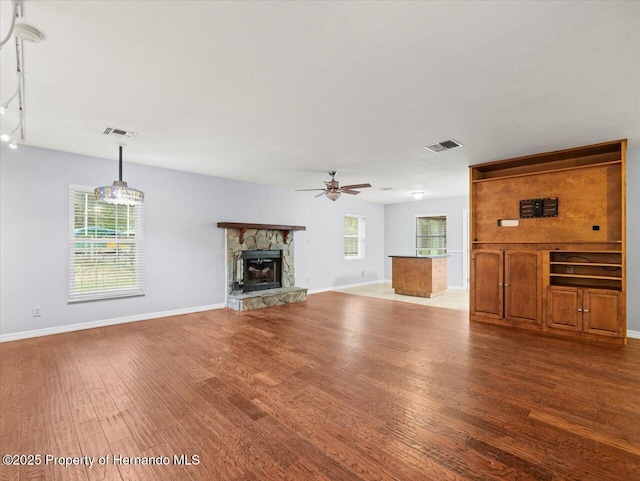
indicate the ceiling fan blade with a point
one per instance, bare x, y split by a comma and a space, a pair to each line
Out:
320, 194
307, 190
356, 186
349, 191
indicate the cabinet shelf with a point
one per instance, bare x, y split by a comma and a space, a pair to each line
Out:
584, 276
596, 264
586, 252
586, 269
585, 283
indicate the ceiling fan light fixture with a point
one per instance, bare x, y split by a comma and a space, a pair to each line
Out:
332, 189
119, 192
333, 195
417, 195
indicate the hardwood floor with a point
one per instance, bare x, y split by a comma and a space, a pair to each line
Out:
336, 388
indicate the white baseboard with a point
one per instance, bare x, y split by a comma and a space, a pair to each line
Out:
345, 286
47, 331
633, 334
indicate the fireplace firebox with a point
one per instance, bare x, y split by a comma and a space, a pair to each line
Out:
262, 270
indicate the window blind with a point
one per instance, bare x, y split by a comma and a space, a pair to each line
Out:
354, 236
431, 235
105, 248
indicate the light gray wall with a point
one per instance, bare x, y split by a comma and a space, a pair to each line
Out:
633, 239
184, 249
400, 232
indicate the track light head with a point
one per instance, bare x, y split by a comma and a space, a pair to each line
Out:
27, 32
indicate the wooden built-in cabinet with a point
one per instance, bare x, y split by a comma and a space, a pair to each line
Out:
505, 285
486, 296
594, 311
584, 291
561, 272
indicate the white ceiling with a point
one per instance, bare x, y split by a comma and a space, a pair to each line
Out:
280, 93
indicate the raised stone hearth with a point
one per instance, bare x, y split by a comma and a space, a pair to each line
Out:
260, 237
271, 297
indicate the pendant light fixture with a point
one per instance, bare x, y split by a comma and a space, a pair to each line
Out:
119, 193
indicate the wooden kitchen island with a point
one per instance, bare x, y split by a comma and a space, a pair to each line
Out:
419, 276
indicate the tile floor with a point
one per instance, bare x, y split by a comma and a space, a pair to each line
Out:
451, 299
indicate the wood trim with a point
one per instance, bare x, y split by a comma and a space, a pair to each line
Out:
550, 156
623, 215
542, 172
242, 227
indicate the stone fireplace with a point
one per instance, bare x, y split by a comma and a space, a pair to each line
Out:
260, 265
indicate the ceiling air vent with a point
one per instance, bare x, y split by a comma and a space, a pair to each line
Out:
386, 188
119, 133
444, 145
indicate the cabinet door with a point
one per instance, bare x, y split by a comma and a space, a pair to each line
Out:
486, 283
564, 308
602, 311
521, 286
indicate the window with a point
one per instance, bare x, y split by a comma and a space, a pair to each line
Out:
431, 235
354, 236
105, 248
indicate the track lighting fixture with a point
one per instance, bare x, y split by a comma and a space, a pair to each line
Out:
27, 32
14, 14
119, 193
12, 136
20, 32
5, 106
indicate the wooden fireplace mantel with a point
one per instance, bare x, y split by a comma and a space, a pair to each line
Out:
243, 227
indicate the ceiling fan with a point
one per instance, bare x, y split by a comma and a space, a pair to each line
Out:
333, 189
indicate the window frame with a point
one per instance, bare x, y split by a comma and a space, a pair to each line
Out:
75, 295
361, 236
416, 236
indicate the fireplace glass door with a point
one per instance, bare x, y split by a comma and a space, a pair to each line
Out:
262, 270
